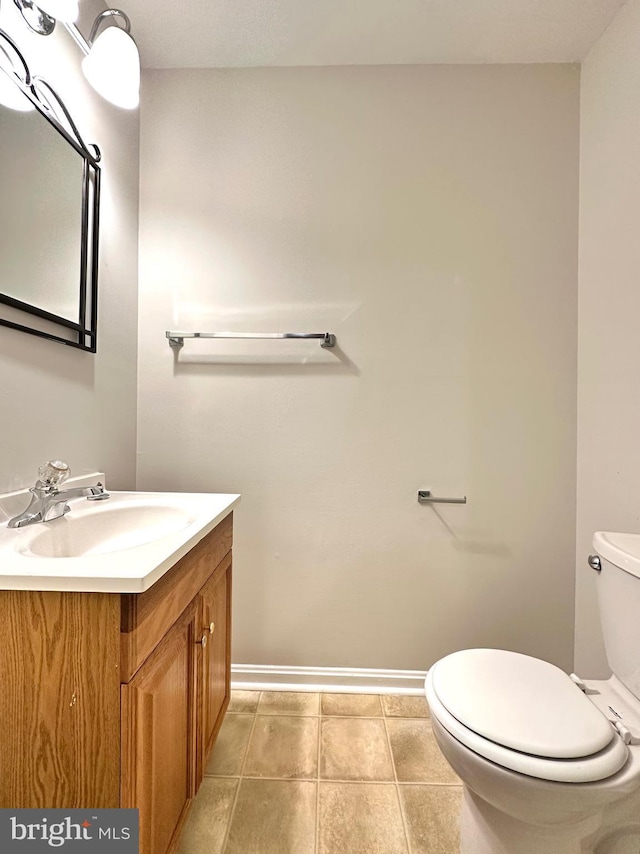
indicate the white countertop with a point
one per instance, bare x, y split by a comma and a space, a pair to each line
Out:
175, 521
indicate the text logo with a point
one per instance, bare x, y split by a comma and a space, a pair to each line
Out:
103, 831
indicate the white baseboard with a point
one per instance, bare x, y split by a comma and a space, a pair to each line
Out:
356, 680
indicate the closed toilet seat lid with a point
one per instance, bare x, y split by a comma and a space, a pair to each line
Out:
524, 714
520, 702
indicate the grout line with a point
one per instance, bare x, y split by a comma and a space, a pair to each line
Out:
286, 715
403, 818
401, 783
246, 750
382, 706
231, 814
333, 717
406, 717
235, 800
317, 841
314, 779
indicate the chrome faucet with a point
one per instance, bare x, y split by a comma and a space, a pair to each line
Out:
47, 501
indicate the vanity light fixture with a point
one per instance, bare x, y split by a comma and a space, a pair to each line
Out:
36, 18
112, 65
61, 10
112, 61
42, 18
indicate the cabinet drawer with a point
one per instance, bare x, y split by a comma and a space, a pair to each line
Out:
147, 617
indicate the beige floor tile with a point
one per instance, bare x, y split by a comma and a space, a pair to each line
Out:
405, 707
230, 747
354, 749
206, 826
244, 701
432, 815
416, 754
283, 746
364, 705
274, 817
289, 703
360, 818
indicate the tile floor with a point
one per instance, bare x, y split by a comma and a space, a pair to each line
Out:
303, 773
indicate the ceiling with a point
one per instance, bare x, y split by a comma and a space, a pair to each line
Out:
247, 33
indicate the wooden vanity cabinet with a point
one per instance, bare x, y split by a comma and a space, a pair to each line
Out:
116, 699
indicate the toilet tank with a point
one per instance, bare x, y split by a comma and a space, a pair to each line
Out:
619, 601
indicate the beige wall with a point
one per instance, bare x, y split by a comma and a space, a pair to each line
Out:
428, 217
609, 348
56, 401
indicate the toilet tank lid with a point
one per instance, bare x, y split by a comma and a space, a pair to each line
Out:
520, 702
622, 550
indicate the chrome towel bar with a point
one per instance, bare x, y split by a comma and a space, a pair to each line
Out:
425, 497
176, 339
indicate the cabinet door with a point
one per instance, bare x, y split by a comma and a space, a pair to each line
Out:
59, 699
158, 735
215, 610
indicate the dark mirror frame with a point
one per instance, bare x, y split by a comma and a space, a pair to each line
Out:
20, 315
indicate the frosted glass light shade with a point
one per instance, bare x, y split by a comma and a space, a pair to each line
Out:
61, 10
113, 68
11, 96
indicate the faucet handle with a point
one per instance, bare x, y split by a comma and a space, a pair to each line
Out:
53, 473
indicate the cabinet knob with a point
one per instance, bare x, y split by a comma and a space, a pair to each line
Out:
212, 627
203, 641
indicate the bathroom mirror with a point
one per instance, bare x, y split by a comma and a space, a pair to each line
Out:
49, 206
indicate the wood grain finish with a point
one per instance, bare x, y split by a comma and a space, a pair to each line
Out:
59, 699
111, 700
147, 617
174, 705
159, 725
215, 608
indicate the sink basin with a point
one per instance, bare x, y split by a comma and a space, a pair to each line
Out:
106, 528
123, 544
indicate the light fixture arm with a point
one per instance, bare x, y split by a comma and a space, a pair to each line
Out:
5, 39
111, 63
103, 16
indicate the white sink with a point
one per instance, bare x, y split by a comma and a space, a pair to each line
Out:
120, 544
101, 527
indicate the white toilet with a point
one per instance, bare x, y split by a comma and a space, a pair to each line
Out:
549, 763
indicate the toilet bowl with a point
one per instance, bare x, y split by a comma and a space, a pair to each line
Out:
549, 763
